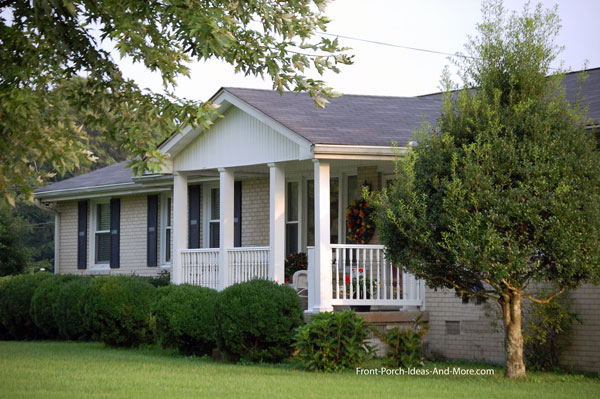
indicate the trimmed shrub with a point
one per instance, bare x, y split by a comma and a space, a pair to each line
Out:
15, 303
4, 334
69, 312
405, 345
256, 321
43, 304
162, 279
120, 310
333, 341
185, 318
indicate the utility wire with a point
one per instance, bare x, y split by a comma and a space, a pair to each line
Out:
394, 45
406, 47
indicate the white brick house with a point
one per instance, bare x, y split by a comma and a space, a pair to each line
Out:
275, 176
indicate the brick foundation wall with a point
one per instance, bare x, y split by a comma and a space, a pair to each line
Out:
477, 339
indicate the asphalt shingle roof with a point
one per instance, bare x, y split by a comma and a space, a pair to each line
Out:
113, 174
348, 120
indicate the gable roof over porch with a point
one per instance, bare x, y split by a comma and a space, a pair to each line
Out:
346, 128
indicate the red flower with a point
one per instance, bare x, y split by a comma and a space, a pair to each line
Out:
347, 279
360, 270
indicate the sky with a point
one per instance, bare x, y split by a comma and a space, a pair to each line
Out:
438, 25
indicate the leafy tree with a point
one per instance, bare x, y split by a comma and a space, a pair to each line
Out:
57, 82
503, 194
14, 254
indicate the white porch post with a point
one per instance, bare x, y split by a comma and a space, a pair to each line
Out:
226, 222
277, 223
180, 225
322, 269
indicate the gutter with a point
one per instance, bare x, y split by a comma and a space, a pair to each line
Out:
358, 152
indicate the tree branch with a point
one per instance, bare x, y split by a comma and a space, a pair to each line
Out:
464, 290
6, 3
547, 300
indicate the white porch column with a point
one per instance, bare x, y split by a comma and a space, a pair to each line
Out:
322, 275
226, 222
180, 225
277, 223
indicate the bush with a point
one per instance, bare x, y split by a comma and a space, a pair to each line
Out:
293, 263
256, 321
4, 334
71, 304
405, 346
185, 318
120, 310
15, 303
43, 304
547, 331
162, 279
333, 341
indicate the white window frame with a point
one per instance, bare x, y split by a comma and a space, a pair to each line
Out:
300, 209
165, 225
206, 212
93, 224
342, 177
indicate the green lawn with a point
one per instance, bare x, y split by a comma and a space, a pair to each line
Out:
89, 370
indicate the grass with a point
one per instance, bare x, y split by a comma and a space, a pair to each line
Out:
89, 370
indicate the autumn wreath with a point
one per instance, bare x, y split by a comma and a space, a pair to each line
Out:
360, 226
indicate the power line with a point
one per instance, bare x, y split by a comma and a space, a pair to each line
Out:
406, 47
394, 45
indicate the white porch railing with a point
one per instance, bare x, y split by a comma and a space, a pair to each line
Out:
248, 263
361, 275
200, 267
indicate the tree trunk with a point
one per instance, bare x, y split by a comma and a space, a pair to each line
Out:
513, 335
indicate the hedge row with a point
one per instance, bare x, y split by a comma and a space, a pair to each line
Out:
253, 321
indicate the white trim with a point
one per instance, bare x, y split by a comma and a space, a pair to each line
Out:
357, 152
206, 212
56, 241
164, 213
92, 240
225, 99
298, 181
96, 192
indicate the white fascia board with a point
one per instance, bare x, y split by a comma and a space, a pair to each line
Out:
98, 191
357, 152
224, 100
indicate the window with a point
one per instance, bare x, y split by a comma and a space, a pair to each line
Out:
334, 193
101, 231
165, 222
292, 217
212, 209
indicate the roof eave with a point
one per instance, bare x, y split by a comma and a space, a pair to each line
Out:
358, 152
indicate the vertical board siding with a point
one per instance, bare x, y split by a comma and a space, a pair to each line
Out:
237, 139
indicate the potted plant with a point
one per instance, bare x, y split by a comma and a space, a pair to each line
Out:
361, 289
293, 263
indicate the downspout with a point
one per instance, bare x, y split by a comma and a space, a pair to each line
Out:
52, 209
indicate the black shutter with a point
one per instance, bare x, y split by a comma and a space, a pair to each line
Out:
82, 212
237, 214
152, 235
115, 222
194, 217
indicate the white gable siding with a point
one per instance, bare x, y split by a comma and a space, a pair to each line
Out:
237, 139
